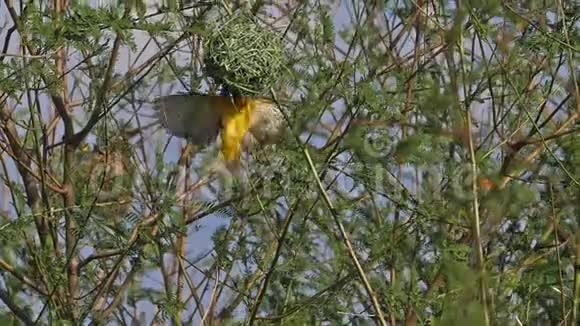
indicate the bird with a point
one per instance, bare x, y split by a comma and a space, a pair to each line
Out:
238, 121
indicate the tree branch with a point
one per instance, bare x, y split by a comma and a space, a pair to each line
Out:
23, 316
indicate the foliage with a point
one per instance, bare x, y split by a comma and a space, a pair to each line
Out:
433, 177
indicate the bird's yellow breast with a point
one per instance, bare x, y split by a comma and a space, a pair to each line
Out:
236, 117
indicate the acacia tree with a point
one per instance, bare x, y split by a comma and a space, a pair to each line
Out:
430, 172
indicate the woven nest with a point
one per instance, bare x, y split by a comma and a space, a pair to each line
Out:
243, 56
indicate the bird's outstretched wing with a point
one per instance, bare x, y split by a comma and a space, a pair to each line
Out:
194, 117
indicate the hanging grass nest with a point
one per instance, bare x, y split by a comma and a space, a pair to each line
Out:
243, 56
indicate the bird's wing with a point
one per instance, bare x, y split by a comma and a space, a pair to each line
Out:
191, 116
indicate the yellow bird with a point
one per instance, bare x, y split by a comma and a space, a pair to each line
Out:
237, 120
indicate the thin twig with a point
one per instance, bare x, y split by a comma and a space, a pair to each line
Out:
345, 238
476, 222
555, 222
343, 233
212, 299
